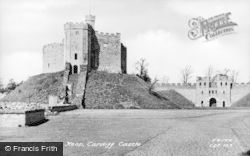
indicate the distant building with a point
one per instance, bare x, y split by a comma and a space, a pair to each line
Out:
214, 92
84, 48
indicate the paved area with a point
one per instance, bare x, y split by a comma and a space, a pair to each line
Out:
143, 132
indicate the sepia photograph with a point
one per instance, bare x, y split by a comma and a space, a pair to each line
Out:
124, 78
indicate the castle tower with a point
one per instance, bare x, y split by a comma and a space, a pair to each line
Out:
76, 45
90, 19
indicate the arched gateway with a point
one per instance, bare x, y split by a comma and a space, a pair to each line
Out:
212, 102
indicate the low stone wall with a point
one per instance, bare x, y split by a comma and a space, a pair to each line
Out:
10, 106
21, 118
63, 108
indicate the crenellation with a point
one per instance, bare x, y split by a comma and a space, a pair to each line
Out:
176, 85
111, 35
218, 91
71, 25
52, 45
82, 45
241, 84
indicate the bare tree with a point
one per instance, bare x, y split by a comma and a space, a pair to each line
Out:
141, 67
234, 75
186, 74
231, 73
1, 86
11, 85
210, 72
165, 79
226, 71
153, 84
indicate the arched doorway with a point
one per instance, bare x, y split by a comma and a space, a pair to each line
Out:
75, 69
224, 104
212, 102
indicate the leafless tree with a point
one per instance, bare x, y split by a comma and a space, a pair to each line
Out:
231, 73
234, 75
226, 71
165, 79
186, 74
153, 84
210, 72
141, 67
1, 86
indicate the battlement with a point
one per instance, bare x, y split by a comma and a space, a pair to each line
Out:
218, 77
242, 84
176, 85
102, 34
52, 45
193, 85
71, 25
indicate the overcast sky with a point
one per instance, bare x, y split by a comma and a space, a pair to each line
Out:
154, 30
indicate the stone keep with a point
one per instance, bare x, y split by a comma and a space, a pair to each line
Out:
83, 47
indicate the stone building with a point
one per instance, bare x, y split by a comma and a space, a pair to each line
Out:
53, 59
219, 91
83, 47
214, 92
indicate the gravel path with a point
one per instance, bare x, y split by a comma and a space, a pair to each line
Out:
143, 132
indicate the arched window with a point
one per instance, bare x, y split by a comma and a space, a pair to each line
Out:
200, 83
225, 83
221, 83
75, 56
224, 104
75, 69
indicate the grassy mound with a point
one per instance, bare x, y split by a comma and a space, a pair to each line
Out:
243, 102
103, 91
177, 98
106, 90
36, 88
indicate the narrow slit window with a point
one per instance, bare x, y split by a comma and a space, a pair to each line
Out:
75, 56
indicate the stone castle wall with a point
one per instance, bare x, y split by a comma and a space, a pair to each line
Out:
189, 91
110, 52
83, 45
239, 91
53, 57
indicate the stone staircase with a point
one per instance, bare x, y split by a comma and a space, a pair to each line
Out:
80, 89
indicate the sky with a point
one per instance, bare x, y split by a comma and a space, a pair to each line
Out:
152, 29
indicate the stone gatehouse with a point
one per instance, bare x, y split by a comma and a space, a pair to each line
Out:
217, 91
214, 92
